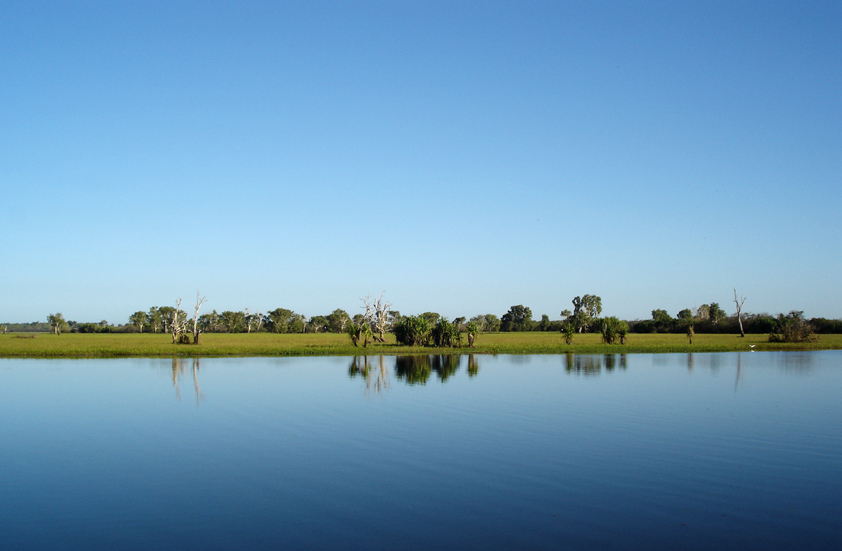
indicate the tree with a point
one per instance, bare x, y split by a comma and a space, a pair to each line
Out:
234, 322
473, 329
178, 324
662, 320
336, 321
715, 313
197, 329
739, 304
518, 318
379, 314
57, 322
585, 310
154, 318
138, 319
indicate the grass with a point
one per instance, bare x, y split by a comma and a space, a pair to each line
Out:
86, 345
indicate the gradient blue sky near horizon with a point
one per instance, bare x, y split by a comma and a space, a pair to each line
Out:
461, 157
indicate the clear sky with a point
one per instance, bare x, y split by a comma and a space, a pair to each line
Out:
462, 157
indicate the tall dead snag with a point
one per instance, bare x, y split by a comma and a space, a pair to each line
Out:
739, 304
175, 326
197, 329
379, 315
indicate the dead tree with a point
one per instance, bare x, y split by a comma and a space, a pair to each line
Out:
739, 304
175, 326
380, 314
197, 329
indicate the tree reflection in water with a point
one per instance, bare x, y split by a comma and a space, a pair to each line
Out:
587, 364
414, 370
473, 366
179, 366
444, 366
375, 379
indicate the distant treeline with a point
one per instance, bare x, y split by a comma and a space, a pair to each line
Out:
584, 318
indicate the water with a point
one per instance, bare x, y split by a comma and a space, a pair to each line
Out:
703, 451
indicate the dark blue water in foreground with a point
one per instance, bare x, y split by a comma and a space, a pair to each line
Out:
705, 451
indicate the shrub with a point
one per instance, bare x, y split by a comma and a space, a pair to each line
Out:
412, 331
792, 328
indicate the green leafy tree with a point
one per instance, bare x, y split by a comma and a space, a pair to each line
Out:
337, 320
432, 317
715, 313
57, 323
234, 322
155, 319
518, 318
585, 311
662, 320
138, 319
283, 320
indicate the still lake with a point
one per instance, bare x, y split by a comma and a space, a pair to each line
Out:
671, 451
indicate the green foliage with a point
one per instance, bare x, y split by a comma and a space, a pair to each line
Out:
792, 328
610, 329
473, 329
585, 311
415, 370
282, 320
715, 313
359, 330
568, 330
412, 330
518, 318
488, 323
337, 321
57, 323
446, 334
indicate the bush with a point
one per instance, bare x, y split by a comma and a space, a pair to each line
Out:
412, 331
446, 334
792, 328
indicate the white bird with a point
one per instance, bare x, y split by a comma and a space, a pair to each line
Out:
752, 347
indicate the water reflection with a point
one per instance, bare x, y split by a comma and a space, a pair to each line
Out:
179, 367
444, 366
414, 370
585, 364
376, 379
473, 366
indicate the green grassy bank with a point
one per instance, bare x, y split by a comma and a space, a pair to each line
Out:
327, 344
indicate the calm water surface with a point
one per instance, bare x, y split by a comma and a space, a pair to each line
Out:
702, 451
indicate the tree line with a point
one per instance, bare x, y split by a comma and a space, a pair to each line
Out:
430, 328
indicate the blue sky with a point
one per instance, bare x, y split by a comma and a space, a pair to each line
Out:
461, 157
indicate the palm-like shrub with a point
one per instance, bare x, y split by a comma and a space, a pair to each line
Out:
611, 328
446, 334
412, 330
473, 331
568, 330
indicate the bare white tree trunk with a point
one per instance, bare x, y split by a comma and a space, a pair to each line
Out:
175, 326
196, 329
739, 304
379, 312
